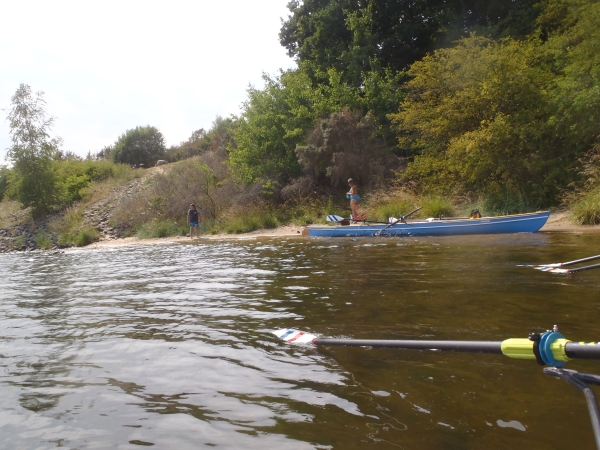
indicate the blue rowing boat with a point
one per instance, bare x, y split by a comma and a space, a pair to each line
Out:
518, 223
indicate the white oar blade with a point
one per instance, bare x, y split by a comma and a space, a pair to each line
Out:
294, 336
554, 270
392, 220
334, 218
547, 266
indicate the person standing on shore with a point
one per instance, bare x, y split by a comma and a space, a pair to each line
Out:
352, 194
192, 218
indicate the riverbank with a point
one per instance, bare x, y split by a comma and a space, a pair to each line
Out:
557, 223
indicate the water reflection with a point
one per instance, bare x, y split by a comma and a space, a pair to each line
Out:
170, 346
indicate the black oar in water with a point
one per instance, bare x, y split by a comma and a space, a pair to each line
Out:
549, 348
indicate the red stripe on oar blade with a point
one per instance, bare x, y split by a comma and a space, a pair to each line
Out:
296, 337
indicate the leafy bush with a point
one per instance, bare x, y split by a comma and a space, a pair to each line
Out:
42, 240
85, 236
343, 146
74, 187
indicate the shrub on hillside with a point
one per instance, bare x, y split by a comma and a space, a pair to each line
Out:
343, 146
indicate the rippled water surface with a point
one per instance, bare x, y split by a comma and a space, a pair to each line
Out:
169, 346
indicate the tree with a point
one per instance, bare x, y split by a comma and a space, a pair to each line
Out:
34, 183
273, 121
361, 36
141, 145
343, 146
479, 115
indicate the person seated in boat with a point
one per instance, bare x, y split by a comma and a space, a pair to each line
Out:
352, 194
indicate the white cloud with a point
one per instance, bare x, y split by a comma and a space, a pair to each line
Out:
110, 66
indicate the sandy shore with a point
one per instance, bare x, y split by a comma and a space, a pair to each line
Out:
285, 231
557, 223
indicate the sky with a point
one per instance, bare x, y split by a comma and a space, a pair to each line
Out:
107, 67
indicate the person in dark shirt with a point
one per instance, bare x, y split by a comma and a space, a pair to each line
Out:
192, 218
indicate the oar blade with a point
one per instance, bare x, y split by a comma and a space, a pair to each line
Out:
555, 270
294, 336
334, 218
546, 267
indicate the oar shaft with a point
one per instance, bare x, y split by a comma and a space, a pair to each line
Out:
577, 261
574, 350
454, 346
583, 350
581, 269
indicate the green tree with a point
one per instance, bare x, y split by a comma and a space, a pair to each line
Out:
34, 183
278, 118
141, 145
273, 121
573, 48
479, 115
356, 37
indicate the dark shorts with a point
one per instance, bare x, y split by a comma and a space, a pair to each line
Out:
193, 224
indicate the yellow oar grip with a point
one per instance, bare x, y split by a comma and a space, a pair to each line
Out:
518, 348
523, 349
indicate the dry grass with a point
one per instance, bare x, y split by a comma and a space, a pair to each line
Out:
12, 215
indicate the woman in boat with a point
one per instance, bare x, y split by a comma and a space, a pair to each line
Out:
352, 194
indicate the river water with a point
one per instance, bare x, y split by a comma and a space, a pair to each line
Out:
169, 346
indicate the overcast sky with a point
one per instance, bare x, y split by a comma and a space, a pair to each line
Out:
109, 66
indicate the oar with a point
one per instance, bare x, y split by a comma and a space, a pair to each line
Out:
553, 348
406, 216
569, 263
334, 218
549, 348
558, 270
401, 220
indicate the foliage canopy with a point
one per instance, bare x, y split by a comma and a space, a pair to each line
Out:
141, 145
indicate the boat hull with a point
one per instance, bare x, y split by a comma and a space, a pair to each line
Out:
519, 223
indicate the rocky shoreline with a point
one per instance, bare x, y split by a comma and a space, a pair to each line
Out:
28, 236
